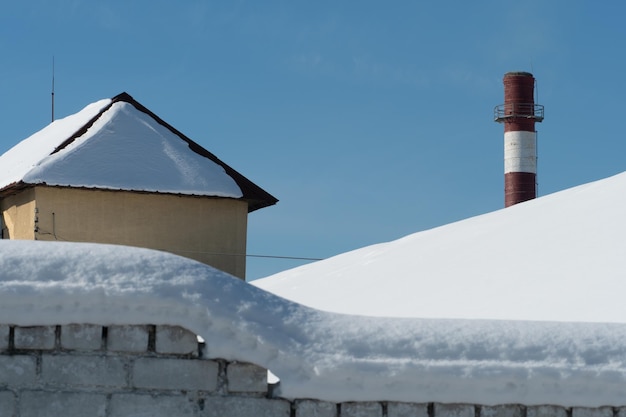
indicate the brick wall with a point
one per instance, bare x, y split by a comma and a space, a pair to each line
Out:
115, 371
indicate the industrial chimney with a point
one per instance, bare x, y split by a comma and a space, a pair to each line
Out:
519, 114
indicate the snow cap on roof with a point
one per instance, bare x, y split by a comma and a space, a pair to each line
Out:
119, 144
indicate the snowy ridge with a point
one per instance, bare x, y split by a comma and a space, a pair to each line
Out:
316, 354
555, 258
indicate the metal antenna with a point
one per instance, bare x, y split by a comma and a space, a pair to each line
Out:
53, 88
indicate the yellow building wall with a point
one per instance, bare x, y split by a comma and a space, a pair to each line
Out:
18, 215
209, 230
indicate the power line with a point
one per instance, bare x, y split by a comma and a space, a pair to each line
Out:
247, 255
284, 257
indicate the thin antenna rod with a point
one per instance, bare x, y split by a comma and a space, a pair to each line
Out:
53, 88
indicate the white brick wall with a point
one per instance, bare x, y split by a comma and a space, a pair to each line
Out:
176, 340
546, 411
7, 404
121, 371
175, 374
83, 371
246, 377
36, 337
127, 338
139, 405
501, 411
454, 410
54, 404
362, 409
592, 412
18, 370
313, 408
245, 407
81, 337
395, 409
4, 336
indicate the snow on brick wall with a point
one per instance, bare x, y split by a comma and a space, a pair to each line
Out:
147, 370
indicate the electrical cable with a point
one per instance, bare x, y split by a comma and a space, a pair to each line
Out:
247, 255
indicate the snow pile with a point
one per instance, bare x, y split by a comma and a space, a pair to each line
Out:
125, 149
316, 354
556, 258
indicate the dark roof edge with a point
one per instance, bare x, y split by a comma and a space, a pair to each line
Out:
13, 188
82, 130
256, 197
16, 187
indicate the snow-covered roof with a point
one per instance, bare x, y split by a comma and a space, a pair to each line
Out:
556, 258
316, 354
118, 144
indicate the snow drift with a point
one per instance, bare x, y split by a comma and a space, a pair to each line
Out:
555, 258
316, 354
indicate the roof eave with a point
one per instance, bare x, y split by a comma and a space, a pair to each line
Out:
14, 188
17, 187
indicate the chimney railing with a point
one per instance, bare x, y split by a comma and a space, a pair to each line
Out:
506, 111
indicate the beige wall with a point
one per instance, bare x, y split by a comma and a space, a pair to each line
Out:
210, 230
18, 215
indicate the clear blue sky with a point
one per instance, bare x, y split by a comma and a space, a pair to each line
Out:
368, 120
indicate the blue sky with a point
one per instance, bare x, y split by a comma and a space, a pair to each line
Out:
367, 120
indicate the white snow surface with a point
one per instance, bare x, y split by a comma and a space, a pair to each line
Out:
561, 257
316, 354
20, 159
125, 149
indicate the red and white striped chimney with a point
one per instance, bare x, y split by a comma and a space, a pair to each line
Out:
519, 114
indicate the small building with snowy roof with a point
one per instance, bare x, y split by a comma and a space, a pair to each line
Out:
117, 173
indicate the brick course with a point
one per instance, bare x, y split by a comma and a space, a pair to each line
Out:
396, 409
313, 408
245, 407
454, 410
4, 336
7, 404
246, 377
125, 405
176, 340
502, 411
18, 370
35, 337
546, 411
81, 337
54, 404
362, 409
127, 338
83, 369
175, 374
592, 412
